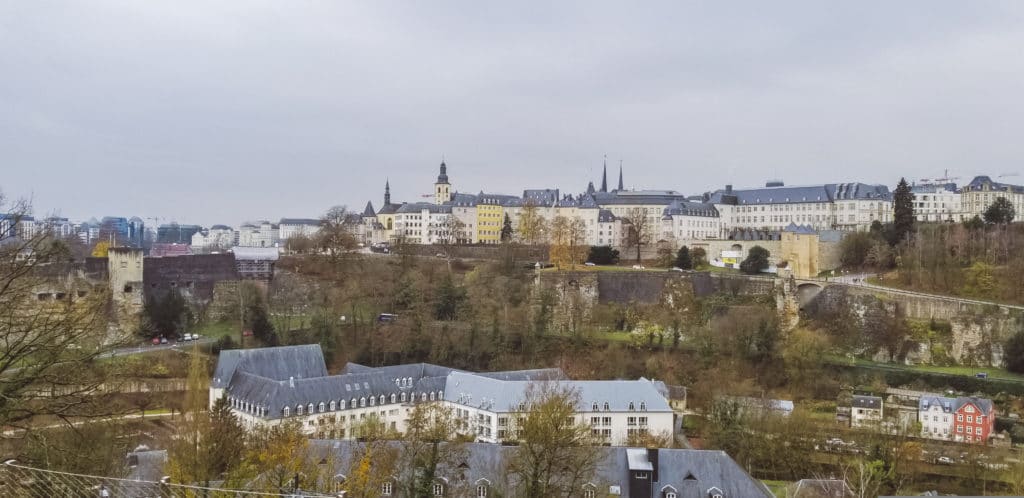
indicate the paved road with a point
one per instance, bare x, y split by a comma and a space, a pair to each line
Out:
150, 348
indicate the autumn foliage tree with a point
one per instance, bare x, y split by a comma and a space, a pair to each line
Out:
567, 242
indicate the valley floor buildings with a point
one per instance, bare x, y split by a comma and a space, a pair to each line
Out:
275, 385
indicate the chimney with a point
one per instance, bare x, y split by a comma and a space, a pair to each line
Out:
291, 381
652, 456
728, 189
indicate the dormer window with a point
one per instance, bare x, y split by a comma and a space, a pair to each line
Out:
373, 401
715, 493
631, 406
380, 400
321, 407
298, 410
311, 408
362, 402
285, 411
594, 407
643, 406
393, 398
403, 397
607, 406
332, 406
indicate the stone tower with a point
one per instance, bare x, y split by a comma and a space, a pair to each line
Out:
442, 189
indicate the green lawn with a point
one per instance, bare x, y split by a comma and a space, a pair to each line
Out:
216, 330
613, 336
993, 372
778, 488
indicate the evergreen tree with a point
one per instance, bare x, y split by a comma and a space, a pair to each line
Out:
259, 323
1013, 352
603, 255
506, 229
188, 456
683, 260
903, 213
1000, 212
225, 441
166, 315
449, 298
756, 262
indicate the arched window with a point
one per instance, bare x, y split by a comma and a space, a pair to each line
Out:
381, 400
424, 397
606, 407
440, 395
589, 491
352, 403
481, 491
643, 406
410, 381
333, 405
715, 493
393, 397
403, 397
311, 408
373, 401
385, 489
631, 406
362, 402
594, 407
438, 489
321, 407
285, 411
431, 395
398, 383
298, 410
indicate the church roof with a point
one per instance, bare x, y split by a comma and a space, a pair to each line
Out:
368, 212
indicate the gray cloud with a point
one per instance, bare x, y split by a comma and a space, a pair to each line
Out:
225, 111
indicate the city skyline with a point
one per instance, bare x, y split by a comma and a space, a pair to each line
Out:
222, 113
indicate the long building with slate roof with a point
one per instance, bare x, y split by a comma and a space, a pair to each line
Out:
482, 471
829, 206
273, 385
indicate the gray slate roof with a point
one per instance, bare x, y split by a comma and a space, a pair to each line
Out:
828, 192
687, 208
980, 182
416, 207
872, 402
280, 363
638, 197
926, 403
800, 229
498, 395
691, 473
368, 211
299, 221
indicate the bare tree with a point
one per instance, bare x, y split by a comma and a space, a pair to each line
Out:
638, 229
337, 234
555, 455
52, 329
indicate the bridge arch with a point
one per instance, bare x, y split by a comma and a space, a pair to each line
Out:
806, 292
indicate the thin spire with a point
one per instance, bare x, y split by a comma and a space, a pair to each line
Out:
620, 175
387, 191
604, 175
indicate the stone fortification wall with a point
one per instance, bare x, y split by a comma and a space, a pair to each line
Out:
195, 276
482, 251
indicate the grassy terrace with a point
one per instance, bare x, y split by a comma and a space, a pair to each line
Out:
993, 372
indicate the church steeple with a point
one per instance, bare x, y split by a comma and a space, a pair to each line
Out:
387, 192
604, 176
620, 175
442, 189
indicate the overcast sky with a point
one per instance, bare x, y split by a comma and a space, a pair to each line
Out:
219, 112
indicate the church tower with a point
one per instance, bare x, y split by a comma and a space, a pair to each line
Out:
387, 192
442, 189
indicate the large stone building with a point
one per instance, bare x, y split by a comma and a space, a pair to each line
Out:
937, 203
272, 385
977, 196
830, 206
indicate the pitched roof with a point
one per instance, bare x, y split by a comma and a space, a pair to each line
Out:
299, 221
489, 393
983, 404
687, 208
368, 210
417, 207
827, 192
277, 363
686, 471
980, 182
390, 208
800, 229
872, 402
926, 403
638, 197
541, 196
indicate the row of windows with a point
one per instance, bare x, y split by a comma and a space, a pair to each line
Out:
607, 407
338, 405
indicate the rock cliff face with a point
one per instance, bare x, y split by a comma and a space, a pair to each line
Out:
872, 323
918, 329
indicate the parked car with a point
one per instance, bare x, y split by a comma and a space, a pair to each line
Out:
156, 341
638, 267
163, 340
186, 337
981, 375
944, 460
248, 333
675, 268
386, 317
588, 263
